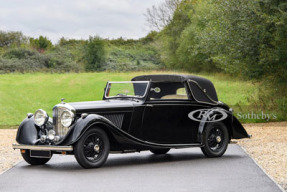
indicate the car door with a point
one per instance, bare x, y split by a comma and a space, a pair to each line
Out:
166, 119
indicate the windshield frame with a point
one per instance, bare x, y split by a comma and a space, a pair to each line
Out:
128, 96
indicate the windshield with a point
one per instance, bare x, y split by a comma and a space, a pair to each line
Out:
122, 89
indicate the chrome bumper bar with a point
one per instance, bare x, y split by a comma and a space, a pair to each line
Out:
43, 147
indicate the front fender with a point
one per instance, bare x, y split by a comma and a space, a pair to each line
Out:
82, 124
27, 132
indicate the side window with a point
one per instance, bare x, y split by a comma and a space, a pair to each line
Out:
168, 91
180, 94
181, 91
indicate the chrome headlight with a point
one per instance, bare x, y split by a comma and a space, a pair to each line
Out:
40, 117
67, 118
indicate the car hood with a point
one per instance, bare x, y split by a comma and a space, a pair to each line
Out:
103, 106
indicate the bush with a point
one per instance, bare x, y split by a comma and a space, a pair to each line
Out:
137, 65
63, 60
16, 65
20, 54
23, 60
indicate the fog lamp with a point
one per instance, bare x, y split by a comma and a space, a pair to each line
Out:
51, 134
43, 138
57, 139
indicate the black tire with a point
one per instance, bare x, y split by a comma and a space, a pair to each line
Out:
159, 151
215, 140
92, 150
34, 160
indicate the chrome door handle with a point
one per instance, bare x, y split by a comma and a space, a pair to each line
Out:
149, 105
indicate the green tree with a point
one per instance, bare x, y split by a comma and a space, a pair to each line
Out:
12, 38
168, 41
242, 37
41, 44
95, 54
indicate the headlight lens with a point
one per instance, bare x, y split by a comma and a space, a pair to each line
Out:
67, 118
40, 117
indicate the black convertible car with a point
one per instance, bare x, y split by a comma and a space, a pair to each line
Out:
150, 112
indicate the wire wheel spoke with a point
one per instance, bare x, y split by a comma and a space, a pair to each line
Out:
93, 147
216, 139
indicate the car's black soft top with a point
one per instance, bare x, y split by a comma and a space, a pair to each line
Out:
168, 78
204, 83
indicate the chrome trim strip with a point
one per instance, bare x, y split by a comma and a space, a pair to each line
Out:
43, 147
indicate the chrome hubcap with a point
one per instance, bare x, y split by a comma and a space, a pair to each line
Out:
97, 148
218, 139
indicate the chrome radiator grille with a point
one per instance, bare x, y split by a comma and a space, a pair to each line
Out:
116, 119
59, 128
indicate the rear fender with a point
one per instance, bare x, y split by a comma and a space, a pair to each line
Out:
235, 128
238, 130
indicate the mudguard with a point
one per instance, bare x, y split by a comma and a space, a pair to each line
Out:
235, 128
82, 124
27, 132
238, 130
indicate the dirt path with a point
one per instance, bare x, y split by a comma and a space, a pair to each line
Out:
268, 147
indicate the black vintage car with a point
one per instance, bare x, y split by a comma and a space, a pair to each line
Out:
150, 112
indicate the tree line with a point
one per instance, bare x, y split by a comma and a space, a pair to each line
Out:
20, 53
243, 38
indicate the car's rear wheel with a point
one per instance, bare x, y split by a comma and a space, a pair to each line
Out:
215, 140
159, 151
34, 160
92, 150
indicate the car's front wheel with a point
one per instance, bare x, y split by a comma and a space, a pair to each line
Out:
34, 160
215, 140
92, 150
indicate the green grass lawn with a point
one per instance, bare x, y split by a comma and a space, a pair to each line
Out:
24, 93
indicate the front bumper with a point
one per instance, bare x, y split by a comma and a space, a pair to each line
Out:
43, 147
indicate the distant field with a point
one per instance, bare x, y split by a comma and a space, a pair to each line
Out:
24, 93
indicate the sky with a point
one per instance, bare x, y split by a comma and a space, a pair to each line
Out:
77, 19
